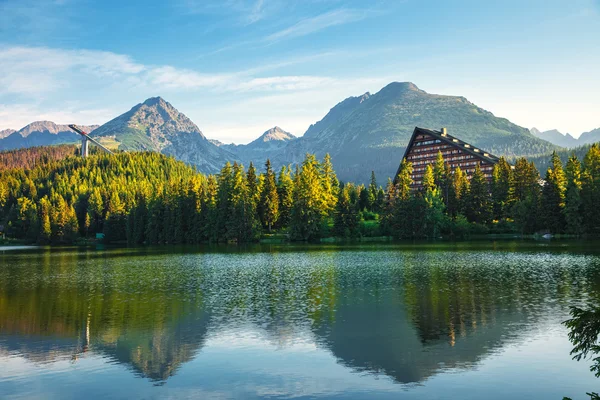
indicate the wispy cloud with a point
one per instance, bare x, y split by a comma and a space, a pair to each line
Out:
246, 12
22, 73
315, 24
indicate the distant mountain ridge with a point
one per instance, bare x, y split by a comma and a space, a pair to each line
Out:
40, 133
566, 140
362, 133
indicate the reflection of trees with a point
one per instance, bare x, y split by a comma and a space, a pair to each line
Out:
113, 306
443, 310
405, 314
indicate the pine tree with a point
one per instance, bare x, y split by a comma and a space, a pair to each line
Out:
373, 190
363, 198
573, 206
224, 203
346, 215
501, 183
457, 194
285, 189
433, 217
269, 199
254, 191
429, 180
401, 208
590, 190
478, 201
330, 185
553, 196
525, 196
45, 234
311, 204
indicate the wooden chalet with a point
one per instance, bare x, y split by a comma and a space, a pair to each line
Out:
423, 148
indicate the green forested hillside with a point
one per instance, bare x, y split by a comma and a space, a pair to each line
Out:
150, 198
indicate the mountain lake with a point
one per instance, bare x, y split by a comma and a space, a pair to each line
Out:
465, 320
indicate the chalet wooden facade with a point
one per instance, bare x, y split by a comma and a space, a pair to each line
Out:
423, 148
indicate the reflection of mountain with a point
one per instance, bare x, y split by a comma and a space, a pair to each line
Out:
407, 314
157, 353
381, 337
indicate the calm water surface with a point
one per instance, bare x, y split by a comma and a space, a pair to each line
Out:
427, 321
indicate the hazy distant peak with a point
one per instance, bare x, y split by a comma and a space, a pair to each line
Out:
6, 132
50, 127
275, 134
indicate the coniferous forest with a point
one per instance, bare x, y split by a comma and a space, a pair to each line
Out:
50, 195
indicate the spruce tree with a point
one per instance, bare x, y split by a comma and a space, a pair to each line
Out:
501, 183
573, 206
478, 204
346, 215
330, 185
269, 199
311, 204
553, 196
372, 198
285, 189
590, 190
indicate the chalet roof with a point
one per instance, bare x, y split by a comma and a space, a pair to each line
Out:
454, 141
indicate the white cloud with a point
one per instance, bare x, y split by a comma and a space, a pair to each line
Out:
318, 23
34, 71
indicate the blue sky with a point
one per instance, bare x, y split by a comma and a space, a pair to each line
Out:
239, 67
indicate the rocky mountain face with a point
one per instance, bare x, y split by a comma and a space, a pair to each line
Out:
155, 125
370, 132
6, 132
40, 133
267, 145
566, 140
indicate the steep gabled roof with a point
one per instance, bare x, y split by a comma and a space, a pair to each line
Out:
445, 137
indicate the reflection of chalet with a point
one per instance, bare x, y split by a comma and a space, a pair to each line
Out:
423, 148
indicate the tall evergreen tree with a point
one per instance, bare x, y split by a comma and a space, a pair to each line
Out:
285, 189
525, 196
269, 199
553, 196
311, 205
590, 190
478, 201
373, 189
330, 184
346, 215
502, 180
573, 205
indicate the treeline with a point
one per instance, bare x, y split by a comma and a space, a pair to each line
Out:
516, 200
149, 198
32, 157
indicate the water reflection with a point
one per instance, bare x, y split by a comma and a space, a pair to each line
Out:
404, 312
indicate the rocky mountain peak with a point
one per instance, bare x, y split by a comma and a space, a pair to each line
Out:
400, 88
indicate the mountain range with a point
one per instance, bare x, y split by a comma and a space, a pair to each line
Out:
362, 133
40, 133
566, 140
